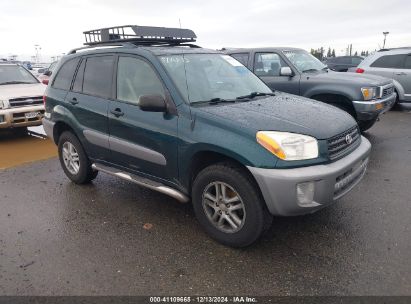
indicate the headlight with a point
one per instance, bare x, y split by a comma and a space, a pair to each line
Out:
369, 93
288, 146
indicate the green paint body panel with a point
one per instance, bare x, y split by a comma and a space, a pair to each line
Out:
228, 129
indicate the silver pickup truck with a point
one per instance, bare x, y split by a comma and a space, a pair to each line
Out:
295, 71
21, 97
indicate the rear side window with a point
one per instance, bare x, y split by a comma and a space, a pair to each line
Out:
135, 78
408, 62
65, 75
98, 76
243, 58
389, 61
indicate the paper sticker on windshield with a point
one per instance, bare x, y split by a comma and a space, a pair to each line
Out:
231, 60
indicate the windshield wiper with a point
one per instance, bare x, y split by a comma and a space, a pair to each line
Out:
15, 82
214, 101
255, 94
310, 70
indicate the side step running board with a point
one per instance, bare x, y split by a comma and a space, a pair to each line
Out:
141, 181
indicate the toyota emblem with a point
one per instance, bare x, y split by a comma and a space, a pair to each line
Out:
348, 139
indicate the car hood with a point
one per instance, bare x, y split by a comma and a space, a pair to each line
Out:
352, 78
283, 112
9, 91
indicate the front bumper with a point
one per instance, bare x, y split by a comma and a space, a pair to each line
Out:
367, 110
16, 117
329, 182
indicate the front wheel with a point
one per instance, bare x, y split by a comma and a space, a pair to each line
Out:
366, 124
74, 160
229, 206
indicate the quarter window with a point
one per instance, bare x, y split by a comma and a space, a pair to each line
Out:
389, 61
243, 58
65, 75
135, 78
98, 76
268, 64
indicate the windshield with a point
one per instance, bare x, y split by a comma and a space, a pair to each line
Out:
304, 61
14, 74
205, 77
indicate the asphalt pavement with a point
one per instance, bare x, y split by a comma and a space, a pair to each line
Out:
115, 238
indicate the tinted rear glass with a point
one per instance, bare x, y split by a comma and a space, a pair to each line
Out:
98, 76
389, 61
243, 58
408, 62
65, 74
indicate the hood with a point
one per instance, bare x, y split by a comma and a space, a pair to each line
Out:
10, 91
354, 78
283, 112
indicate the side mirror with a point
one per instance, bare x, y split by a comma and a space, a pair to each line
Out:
286, 71
152, 103
48, 73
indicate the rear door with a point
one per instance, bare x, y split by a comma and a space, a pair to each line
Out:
267, 66
141, 141
403, 76
386, 65
89, 101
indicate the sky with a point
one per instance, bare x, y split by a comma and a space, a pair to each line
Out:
57, 25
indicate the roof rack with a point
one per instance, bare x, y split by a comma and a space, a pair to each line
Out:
139, 35
397, 48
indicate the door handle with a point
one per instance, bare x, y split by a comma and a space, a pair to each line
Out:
74, 101
117, 112
400, 73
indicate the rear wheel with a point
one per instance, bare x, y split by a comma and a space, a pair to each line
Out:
229, 206
74, 160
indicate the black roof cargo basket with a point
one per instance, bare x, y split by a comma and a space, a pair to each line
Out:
139, 35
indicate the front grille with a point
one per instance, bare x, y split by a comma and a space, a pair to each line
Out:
340, 145
387, 91
26, 101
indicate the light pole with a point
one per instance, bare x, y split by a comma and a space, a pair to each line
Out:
38, 49
385, 37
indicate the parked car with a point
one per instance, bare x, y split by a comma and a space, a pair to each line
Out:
197, 125
391, 63
21, 97
343, 63
45, 73
295, 71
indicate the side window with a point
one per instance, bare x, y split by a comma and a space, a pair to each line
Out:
98, 76
243, 58
268, 64
407, 64
356, 60
135, 78
389, 61
65, 75
78, 81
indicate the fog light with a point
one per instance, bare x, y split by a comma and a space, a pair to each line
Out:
305, 194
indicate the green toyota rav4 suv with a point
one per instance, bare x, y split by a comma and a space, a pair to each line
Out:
146, 105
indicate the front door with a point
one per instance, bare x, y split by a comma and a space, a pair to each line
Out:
267, 67
141, 141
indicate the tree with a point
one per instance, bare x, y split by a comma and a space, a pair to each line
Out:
356, 53
333, 53
329, 52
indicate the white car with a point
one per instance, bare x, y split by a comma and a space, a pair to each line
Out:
21, 97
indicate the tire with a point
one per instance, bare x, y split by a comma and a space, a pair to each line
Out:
366, 124
82, 173
253, 212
